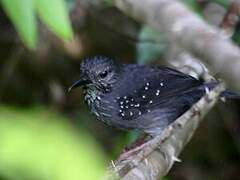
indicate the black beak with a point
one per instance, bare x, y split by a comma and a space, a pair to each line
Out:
80, 82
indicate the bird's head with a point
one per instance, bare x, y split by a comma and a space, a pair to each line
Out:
97, 73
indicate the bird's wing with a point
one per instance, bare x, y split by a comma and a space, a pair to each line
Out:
150, 88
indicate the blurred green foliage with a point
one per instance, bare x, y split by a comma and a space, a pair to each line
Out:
21, 13
224, 3
53, 13
39, 144
194, 5
23, 16
150, 46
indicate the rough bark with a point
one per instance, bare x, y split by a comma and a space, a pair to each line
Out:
189, 31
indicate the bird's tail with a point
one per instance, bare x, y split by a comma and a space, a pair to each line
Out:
228, 94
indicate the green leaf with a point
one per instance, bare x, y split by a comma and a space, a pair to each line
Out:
39, 144
54, 14
21, 13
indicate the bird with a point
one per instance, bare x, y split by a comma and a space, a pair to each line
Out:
141, 97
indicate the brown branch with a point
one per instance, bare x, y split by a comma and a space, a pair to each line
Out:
231, 17
190, 32
157, 156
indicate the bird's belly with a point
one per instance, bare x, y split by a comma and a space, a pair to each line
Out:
110, 116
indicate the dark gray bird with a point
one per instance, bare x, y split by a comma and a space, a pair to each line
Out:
143, 97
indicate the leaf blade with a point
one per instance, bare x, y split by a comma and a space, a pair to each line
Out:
21, 13
54, 14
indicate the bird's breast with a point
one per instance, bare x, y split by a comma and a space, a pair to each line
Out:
100, 105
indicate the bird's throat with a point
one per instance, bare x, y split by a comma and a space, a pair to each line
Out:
92, 96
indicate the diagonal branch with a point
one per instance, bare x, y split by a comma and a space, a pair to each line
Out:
190, 32
157, 156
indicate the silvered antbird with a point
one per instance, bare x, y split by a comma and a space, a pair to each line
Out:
143, 97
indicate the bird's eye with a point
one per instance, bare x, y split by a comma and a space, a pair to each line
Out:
103, 74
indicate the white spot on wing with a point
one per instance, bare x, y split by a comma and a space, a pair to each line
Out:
223, 99
96, 114
113, 165
207, 90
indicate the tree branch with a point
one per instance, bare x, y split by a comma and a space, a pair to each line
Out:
158, 155
190, 32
